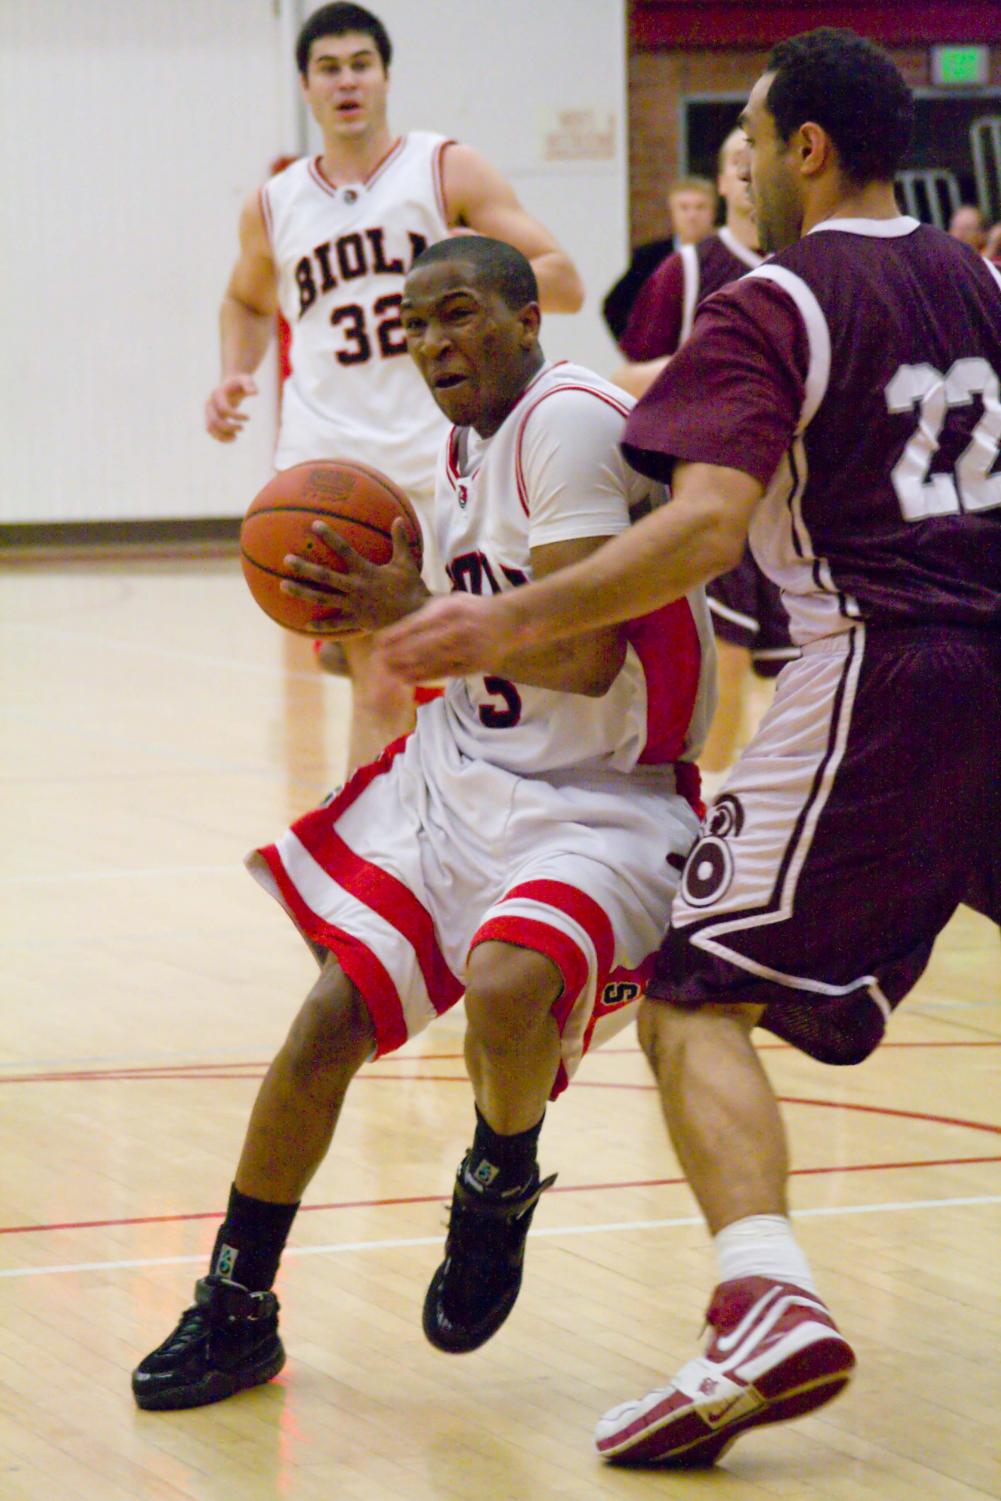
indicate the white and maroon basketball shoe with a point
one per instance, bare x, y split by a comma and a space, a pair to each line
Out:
775, 1353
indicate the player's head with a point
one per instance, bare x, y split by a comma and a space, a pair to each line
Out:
343, 54
967, 224
830, 114
470, 314
732, 174
692, 203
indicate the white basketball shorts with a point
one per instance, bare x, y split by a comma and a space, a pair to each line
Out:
426, 853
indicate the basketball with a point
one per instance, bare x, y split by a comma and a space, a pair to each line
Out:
355, 501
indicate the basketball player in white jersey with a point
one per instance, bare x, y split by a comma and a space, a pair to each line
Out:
329, 241
521, 846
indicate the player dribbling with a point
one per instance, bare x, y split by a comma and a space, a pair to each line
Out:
522, 845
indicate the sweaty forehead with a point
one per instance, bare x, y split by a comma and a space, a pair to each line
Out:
430, 284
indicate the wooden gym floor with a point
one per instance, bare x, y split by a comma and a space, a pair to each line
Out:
154, 726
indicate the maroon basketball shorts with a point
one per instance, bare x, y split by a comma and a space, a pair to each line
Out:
747, 610
866, 808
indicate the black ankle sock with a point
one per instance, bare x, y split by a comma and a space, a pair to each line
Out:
251, 1240
501, 1164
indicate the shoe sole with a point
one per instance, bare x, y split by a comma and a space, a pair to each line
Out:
216, 1386
680, 1438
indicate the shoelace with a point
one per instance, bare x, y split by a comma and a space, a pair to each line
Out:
192, 1327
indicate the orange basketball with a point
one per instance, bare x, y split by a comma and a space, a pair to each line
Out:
356, 502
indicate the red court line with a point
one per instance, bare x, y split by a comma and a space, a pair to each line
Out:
439, 1198
194, 1071
786, 1099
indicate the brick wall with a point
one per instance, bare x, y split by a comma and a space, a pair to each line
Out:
657, 83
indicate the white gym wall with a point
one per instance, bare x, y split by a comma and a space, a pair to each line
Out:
132, 131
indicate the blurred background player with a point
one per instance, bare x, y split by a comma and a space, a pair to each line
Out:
523, 843
329, 241
692, 205
750, 621
842, 402
967, 224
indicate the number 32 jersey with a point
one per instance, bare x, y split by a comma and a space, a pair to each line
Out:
856, 376
342, 253
554, 472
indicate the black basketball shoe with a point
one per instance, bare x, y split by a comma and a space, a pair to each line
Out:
227, 1340
477, 1285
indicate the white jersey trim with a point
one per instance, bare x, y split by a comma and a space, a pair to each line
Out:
727, 612
993, 270
818, 336
690, 298
818, 377
742, 252
708, 937
874, 229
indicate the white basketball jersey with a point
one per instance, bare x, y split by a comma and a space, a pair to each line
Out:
342, 253
553, 472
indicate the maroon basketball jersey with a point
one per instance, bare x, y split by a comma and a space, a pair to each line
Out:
856, 375
663, 313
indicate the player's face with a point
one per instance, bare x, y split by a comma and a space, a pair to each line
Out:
472, 350
734, 179
967, 225
346, 85
778, 207
691, 216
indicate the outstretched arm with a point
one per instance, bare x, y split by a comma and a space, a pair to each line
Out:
479, 196
699, 535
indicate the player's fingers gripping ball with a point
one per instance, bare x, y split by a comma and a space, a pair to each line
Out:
358, 503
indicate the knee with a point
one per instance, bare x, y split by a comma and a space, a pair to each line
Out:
333, 1030
665, 1030
509, 993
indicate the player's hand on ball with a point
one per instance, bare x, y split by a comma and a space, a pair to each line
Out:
371, 595
223, 418
449, 638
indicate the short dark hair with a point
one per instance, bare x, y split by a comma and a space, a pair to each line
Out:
337, 20
496, 264
853, 89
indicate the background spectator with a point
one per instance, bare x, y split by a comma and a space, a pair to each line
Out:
692, 204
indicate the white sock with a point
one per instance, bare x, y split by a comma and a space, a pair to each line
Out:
762, 1246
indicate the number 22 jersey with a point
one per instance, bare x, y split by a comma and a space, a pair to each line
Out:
342, 252
856, 375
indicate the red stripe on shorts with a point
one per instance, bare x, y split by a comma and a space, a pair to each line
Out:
581, 908
362, 967
531, 933
383, 894
362, 778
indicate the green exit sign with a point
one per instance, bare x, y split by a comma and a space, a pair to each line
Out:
960, 65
